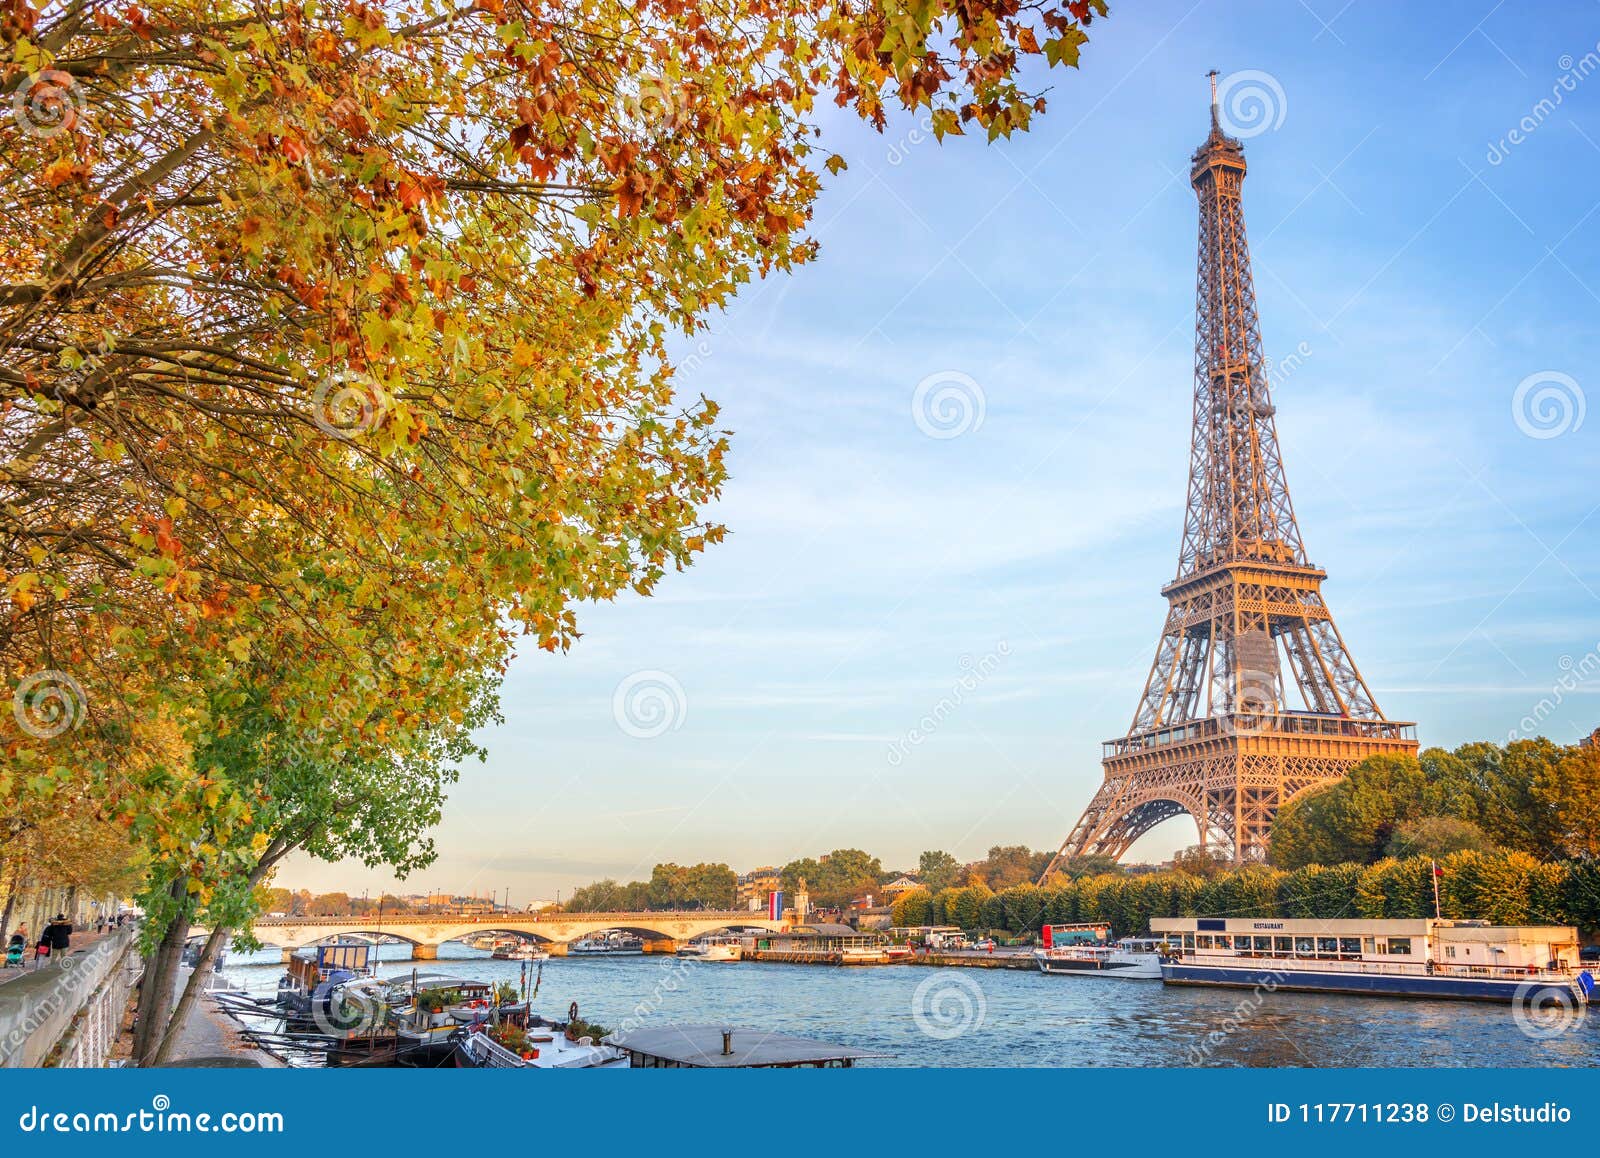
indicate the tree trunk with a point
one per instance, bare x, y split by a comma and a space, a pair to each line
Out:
173, 1026
155, 991
191, 992
5, 917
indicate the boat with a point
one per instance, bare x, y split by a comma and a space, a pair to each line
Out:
519, 951
313, 974
609, 944
429, 1008
1132, 958
1426, 957
712, 949
520, 1040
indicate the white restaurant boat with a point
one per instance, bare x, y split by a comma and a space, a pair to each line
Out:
1426, 957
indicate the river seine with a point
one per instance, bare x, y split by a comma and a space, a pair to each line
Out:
920, 1016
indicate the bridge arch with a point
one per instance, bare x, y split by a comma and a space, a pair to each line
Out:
426, 932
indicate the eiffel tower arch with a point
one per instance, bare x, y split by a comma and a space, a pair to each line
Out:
1253, 697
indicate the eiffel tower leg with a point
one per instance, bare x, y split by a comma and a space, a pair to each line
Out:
1118, 815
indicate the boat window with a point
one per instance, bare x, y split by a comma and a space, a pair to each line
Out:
1327, 944
1350, 946
1449, 950
1304, 946
1203, 941
1263, 945
1283, 944
1188, 940
1400, 945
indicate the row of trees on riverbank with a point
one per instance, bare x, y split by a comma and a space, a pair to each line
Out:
671, 886
1504, 886
334, 354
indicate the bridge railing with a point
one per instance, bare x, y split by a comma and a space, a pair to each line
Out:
495, 920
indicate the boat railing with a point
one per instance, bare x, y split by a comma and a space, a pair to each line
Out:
1347, 964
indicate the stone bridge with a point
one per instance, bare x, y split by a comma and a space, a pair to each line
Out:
660, 931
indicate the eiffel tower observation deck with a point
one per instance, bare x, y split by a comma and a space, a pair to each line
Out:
1253, 697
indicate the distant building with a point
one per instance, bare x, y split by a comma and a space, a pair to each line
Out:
892, 891
755, 886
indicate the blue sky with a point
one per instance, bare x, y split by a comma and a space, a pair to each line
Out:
1414, 267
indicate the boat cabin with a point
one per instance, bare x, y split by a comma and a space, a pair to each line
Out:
727, 1047
1082, 933
315, 964
1427, 942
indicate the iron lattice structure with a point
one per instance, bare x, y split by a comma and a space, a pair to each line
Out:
1253, 697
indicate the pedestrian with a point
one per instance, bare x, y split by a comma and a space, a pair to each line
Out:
59, 931
41, 949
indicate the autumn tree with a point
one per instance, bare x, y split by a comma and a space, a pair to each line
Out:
334, 339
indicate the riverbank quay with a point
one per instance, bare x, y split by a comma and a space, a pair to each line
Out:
977, 959
208, 1039
69, 1013
1315, 1111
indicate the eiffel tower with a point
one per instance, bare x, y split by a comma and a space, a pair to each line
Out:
1220, 732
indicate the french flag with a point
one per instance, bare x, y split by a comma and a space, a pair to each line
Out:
775, 905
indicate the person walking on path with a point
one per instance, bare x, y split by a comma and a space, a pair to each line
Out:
59, 931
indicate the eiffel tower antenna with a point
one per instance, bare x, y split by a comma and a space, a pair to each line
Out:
1253, 698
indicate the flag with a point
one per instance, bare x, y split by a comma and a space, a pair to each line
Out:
775, 905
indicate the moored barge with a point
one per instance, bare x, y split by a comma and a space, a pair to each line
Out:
1426, 957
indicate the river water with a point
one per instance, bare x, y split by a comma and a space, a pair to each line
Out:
921, 1016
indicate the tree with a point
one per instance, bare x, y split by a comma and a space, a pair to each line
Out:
1010, 865
937, 870
1566, 793
964, 907
1094, 865
326, 311
913, 908
837, 878
1200, 861
330, 905
1436, 836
